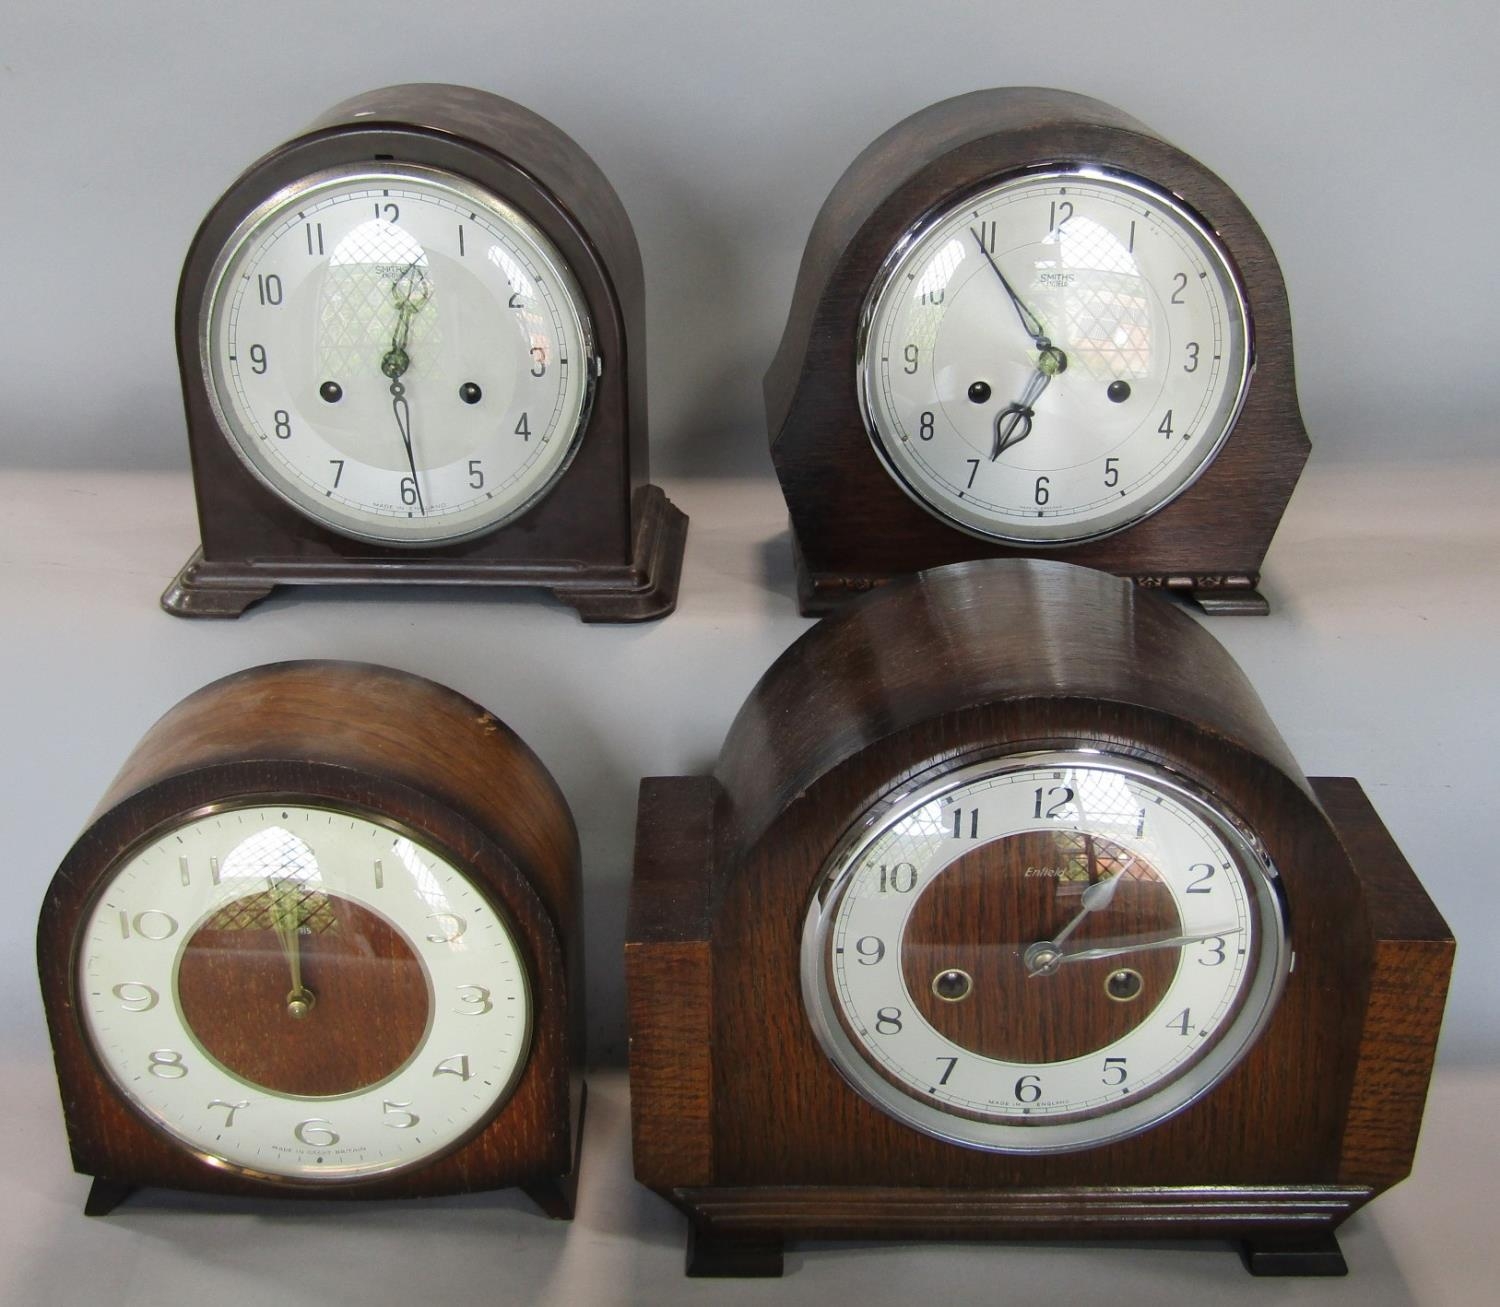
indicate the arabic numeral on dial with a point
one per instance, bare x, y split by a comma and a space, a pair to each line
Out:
1215, 947
407, 1119
229, 1109
515, 301
911, 354
1182, 1023
871, 950
314, 232
152, 924
523, 427
166, 1064
888, 1021
450, 924
1041, 493
900, 879
476, 1002
319, 1126
1140, 823
462, 252
408, 490
1028, 1089
924, 426
136, 997
973, 472
1201, 885
476, 474
338, 471
268, 284
539, 357
933, 295
986, 235
1166, 424
1111, 472
1179, 284
258, 364
1114, 1071
1053, 810
959, 824
457, 1065
387, 212
1059, 213
281, 423
947, 1070
1191, 365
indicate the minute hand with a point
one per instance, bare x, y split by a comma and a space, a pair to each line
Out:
1113, 948
1029, 321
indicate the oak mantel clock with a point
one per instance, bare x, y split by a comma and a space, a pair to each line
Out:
320, 939
1025, 324
1007, 913
413, 350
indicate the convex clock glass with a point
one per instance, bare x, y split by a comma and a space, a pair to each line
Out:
397, 353
1055, 357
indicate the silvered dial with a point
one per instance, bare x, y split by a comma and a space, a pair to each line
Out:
1054, 357
398, 354
1042, 953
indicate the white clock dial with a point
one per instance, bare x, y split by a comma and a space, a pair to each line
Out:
1055, 357
1042, 953
398, 354
303, 993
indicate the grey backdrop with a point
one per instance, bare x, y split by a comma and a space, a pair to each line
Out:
1360, 134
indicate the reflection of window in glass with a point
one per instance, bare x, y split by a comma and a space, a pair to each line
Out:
376, 269
931, 286
522, 298
268, 877
1096, 296
428, 888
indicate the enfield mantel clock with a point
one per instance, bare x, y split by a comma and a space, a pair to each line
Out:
1025, 324
1006, 913
413, 350
321, 940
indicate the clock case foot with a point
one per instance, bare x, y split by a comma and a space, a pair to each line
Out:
642, 591
738, 1229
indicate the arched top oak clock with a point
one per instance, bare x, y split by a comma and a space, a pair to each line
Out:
1026, 324
1006, 912
320, 939
412, 343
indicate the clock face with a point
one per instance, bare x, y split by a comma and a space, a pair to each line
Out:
1053, 358
398, 354
1042, 953
302, 993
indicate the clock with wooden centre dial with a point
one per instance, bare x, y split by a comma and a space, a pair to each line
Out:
287, 958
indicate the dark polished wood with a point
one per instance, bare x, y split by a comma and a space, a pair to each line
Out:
391, 747
852, 525
740, 1119
602, 540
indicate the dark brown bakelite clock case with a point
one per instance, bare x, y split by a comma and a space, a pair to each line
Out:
743, 1122
853, 527
602, 539
414, 758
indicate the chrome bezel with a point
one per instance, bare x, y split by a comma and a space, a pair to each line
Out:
1261, 990
242, 440
890, 268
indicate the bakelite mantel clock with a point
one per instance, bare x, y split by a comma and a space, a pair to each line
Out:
412, 343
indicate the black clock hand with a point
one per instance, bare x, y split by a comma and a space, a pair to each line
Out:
1029, 321
1013, 422
402, 410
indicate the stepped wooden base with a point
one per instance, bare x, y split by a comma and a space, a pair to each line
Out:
644, 590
